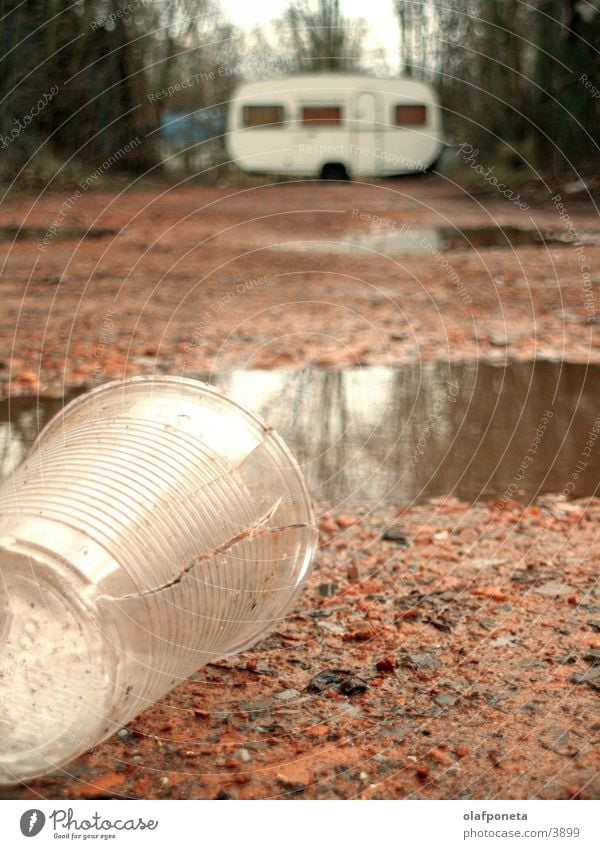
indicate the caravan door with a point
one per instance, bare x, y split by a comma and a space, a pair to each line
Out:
367, 145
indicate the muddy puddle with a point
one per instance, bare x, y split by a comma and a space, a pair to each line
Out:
376, 435
401, 239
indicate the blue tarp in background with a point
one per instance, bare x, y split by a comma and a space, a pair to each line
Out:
181, 130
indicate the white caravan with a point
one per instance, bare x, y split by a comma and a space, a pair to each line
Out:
335, 126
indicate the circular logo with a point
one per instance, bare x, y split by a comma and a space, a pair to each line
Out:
32, 822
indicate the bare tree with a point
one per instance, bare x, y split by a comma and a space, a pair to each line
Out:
192, 53
79, 79
510, 74
319, 37
566, 71
72, 82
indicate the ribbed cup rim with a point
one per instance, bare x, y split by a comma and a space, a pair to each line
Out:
60, 420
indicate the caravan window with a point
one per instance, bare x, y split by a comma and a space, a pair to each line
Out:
408, 114
259, 116
322, 115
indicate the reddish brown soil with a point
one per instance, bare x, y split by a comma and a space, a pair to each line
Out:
463, 658
201, 278
463, 663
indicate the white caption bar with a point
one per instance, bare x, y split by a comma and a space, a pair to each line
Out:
300, 824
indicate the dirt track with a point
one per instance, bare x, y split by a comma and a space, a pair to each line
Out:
459, 660
201, 278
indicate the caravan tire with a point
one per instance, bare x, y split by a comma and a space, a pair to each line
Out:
334, 171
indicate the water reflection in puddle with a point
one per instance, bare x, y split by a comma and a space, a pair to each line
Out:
372, 435
399, 238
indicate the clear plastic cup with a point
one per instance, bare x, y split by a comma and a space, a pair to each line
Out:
156, 525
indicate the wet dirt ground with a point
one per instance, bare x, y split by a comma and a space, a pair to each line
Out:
458, 658
442, 649
201, 279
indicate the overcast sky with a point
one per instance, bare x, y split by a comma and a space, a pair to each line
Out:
383, 25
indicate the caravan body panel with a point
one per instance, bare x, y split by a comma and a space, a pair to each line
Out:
300, 124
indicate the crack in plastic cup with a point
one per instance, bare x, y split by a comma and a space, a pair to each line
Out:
156, 525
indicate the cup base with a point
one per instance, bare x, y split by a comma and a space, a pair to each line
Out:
55, 684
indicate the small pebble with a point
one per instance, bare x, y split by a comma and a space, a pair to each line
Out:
286, 695
395, 534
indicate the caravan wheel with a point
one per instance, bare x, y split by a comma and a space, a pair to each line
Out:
334, 171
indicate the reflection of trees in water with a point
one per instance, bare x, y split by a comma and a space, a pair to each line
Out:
515, 404
11, 450
21, 419
496, 425
312, 414
479, 442
385, 448
356, 432
406, 452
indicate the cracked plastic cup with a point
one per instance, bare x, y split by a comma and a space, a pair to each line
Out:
156, 525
